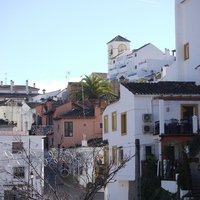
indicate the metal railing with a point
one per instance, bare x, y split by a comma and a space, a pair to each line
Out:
41, 130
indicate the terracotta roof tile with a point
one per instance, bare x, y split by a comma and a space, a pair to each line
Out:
165, 87
78, 113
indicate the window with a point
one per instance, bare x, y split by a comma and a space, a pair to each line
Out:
68, 129
135, 54
58, 128
106, 156
26, 125
123, 124
148, 150
110, 51
17, 147
18, 172
114, 155
135, 66
121, 48
105, 125
186, 51
114, 121
100, 125
121, 155
187, 113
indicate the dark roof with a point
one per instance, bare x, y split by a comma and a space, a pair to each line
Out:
2, 103
78, 113
163, 88
134, 50
32, 104
119, 39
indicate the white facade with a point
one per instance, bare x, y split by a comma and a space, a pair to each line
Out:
134, 108
11, 111
13, 160
187, 43
138, 63
17, 114
27, 117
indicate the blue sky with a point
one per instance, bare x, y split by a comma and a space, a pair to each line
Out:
42, 40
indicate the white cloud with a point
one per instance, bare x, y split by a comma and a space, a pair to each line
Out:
53, 85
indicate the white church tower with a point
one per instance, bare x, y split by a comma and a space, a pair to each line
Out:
117, 45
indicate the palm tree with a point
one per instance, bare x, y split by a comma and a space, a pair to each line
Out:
91, 88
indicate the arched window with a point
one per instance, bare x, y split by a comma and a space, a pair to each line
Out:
110, 51
121, 48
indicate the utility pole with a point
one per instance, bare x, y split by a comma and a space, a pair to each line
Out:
137, 170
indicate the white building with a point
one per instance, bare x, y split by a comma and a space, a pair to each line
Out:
146, 111
17, 175
143, 62
186, 67
17, 92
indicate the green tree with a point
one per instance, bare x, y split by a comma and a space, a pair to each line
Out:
194, 147
91, 88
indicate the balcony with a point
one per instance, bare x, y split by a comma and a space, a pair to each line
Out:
41, 130
175, 126
113, 71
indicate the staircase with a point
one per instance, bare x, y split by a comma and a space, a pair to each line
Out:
195, 173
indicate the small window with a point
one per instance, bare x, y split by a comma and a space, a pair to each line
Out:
114, 155
121, 155
135, 66
105, 125
18, 172
58, 128
114, 121
17, 147
106, 156
113, 61
68, 129
135, 54
111, 52
148, 151
186, 51
26, 125
100, 125
123, 124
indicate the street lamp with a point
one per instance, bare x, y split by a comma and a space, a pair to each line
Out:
32, 176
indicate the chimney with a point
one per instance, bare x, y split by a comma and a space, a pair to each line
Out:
1, 83
34, 85
26, 86
43, 91
11, 86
